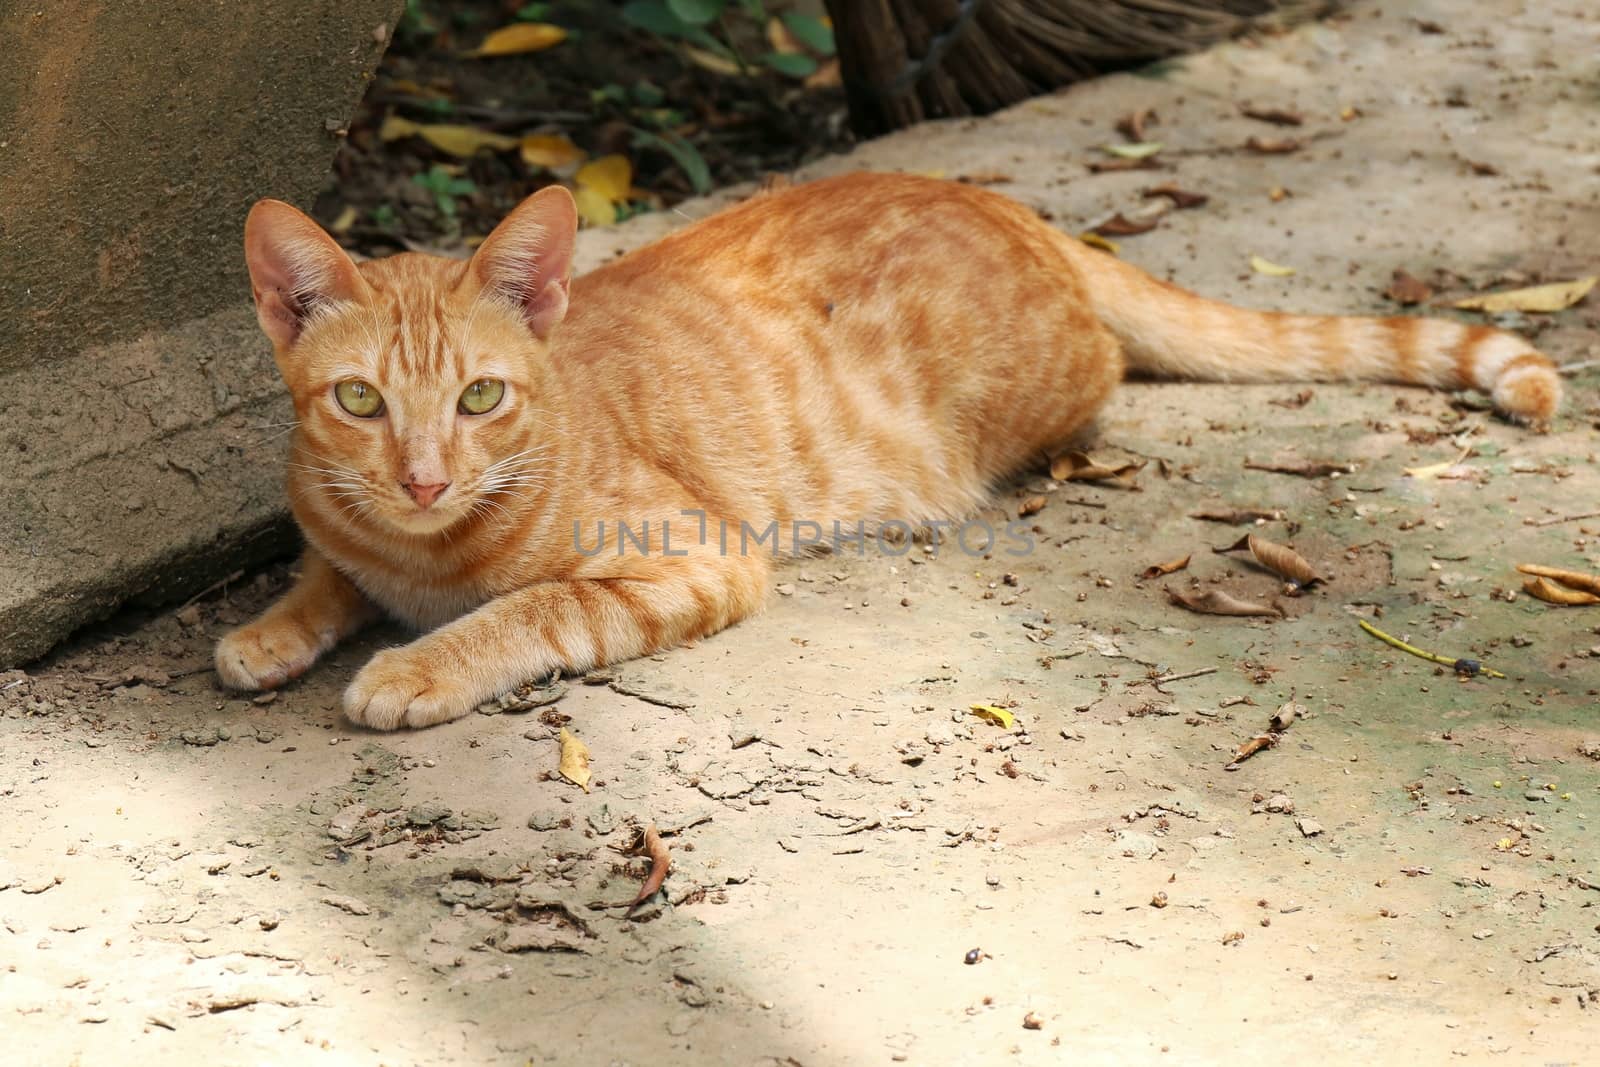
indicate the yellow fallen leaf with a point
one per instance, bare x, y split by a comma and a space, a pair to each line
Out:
1555, 297
1437, 470
1589, 583
594, 207
574, 765
1504, 844
550, 150
518, 38
781, 40
1104, 244
1554, 593
461, 141
347, 218
711, 61
1138, 150
610, 176
999, 716
1269, 268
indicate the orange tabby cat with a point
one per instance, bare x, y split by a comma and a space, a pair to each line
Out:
473, 454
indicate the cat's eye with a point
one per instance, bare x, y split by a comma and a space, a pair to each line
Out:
359, 398
482, 396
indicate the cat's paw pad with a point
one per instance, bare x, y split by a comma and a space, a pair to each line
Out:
264, 657
401, 689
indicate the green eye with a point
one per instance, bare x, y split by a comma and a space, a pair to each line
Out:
358, 398
482, 396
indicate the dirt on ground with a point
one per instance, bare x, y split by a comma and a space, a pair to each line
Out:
864, 867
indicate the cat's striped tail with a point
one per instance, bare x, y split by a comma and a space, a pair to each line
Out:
1170, 332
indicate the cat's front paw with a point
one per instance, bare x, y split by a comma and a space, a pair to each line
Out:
264, 655
402, 688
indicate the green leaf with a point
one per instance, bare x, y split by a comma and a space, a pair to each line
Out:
794, 66
648, 94
684, 154
696, 12
653, 16
755, 9
811, 32
533, 12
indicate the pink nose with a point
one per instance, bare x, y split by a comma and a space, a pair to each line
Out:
425, 495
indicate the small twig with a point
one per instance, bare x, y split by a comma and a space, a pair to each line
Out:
1562, 518
1082, 503
1468, 667
1568, 369
1164, 679
212, 588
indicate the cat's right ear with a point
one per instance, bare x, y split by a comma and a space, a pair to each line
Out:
295, 269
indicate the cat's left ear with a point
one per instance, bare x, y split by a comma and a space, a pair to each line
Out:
528, 258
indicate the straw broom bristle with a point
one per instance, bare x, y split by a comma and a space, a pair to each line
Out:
908, 60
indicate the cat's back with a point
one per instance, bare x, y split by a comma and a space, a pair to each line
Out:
839, 229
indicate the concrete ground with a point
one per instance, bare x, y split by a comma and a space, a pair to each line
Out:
1407, 876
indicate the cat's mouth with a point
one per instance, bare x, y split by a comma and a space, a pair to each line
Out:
413, 518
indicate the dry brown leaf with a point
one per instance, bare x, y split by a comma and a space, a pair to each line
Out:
1276, 116
1540, 298
1304, 468
1406, 290
1237, 516
574, 765
1031, 506
1273, 146
1075, 466
827, 76
1277, 193
550, 150
1589, 583
1285, 716
660, 865
1119, 225
1281, 560
1181, 198
1250, 748
518, 38
1299, 400
1551, 593
1172, 566
1103, 166
1217, 602
985, 177
1133, 126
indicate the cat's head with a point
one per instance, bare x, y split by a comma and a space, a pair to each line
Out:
416, 379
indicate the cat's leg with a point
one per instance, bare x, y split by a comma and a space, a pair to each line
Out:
565, 625
320, 609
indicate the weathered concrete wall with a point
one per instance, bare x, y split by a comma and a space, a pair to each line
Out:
137, 400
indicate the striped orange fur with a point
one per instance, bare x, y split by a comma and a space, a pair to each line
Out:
839, 350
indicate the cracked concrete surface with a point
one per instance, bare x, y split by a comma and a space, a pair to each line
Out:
1408, 875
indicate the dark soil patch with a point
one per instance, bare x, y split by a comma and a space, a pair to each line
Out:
601, 88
